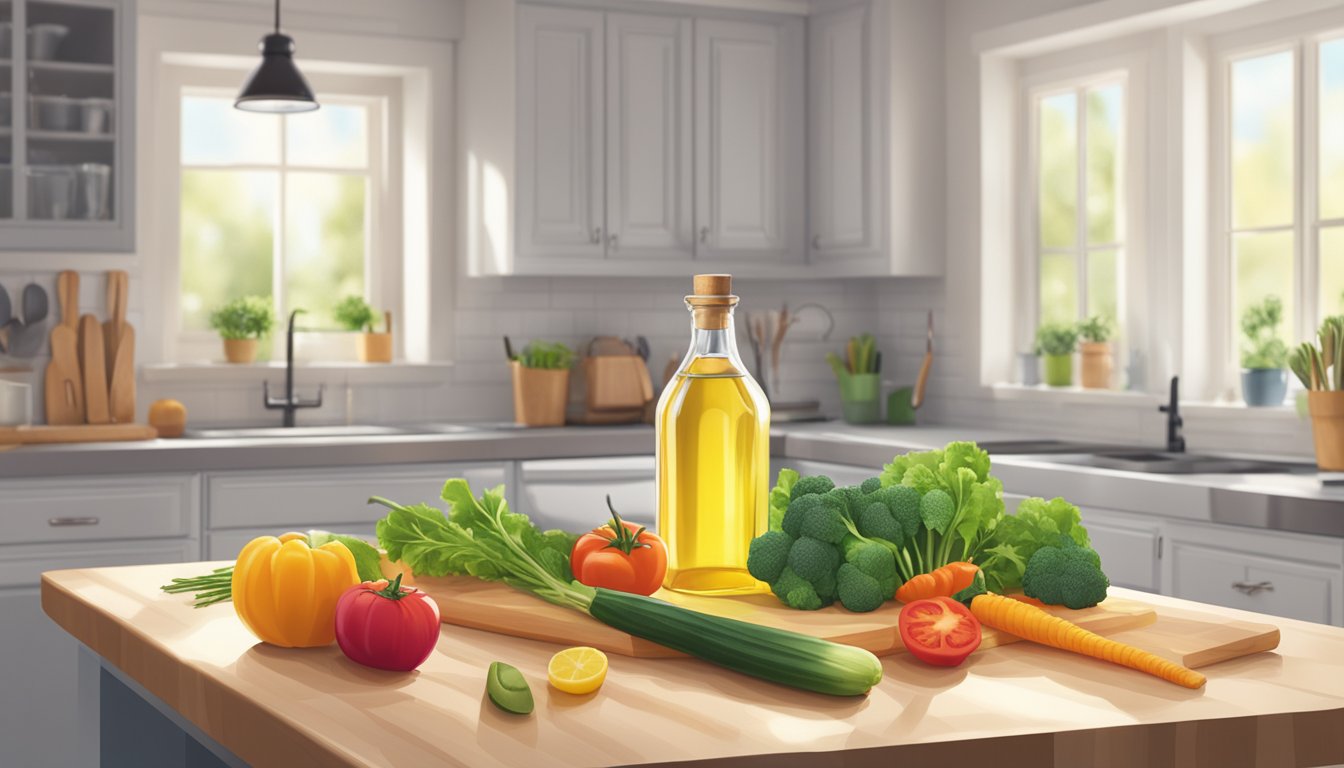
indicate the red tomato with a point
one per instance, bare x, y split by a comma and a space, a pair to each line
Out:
620, 556
387, 626
939, 631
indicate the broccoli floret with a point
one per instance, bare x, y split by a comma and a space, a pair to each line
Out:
825, 588
812, 558
768, 554
825, 520
848, 498
857, 590
878, 562
876, 522
1067, 575
937, 509
871, 485
903, 503
809, 485
796, 592
797, 511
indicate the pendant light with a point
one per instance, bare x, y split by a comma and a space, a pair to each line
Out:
276, 85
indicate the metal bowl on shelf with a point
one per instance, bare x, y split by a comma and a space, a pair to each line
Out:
95, 115
94, 181
51, 191
44, 40
6, 109
54, 113
6, 39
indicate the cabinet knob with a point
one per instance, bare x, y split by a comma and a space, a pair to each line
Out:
613, 242
704, 234
816, 242
62, 522
1253, 588
597, 236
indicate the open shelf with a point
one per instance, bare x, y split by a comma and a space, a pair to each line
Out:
70, 66
68, 136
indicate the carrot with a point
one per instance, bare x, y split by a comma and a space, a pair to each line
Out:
945, 582
1031, 623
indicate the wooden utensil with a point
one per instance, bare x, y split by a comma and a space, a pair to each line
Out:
64, 388
917, 399
118, 285
93, 370
121, 390
82, 433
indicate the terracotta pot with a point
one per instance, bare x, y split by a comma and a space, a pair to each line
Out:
1058, 370
1327, 428
539, 395
240, 350
375, 347
1097, 364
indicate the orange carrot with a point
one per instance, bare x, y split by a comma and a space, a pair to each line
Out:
945, 582
1031, 623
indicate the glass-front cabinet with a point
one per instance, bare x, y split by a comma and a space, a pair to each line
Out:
66, 125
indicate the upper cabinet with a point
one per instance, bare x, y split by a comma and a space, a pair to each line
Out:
66, 125
672, 141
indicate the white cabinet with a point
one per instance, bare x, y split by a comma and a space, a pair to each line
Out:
749, 150
560, 145
648, 135
842, 156
571, 494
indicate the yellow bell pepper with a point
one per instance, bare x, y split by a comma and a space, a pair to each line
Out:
285, 592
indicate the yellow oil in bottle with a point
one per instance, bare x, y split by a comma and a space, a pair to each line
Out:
713, 426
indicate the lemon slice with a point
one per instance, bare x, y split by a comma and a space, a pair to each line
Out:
578, 670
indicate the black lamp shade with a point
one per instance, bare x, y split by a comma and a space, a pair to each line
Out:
276, 85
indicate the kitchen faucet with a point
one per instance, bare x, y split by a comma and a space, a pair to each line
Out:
1175, 442
289, 403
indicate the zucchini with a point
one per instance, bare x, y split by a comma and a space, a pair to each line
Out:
787, 658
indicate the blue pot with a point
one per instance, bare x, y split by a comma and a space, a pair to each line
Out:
1264, 386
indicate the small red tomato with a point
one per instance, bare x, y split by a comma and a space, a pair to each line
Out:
387, 626
620, 556
939, 631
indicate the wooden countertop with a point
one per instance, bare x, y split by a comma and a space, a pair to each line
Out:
1009, 706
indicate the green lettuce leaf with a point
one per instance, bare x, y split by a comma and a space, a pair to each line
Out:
368, 563
779, 497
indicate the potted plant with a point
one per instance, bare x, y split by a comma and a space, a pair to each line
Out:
1321, 371
1056, 343
1097, 364
241, 323
541, 384
1264, 356
355, 314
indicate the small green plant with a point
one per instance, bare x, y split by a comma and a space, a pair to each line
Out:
546, 354
1096, 329
249, 317
1313, 363
1260, 325
355, 314
1057, 339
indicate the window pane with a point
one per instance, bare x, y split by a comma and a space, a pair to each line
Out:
1105, 118
1103, 285
227, 238
324, 243
1264, 267
1332, 271
1059, 170
214, 133
1332, 130
1059, 288
1262, 141
335, 136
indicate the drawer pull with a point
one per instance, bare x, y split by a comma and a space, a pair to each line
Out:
1249, 588
62, 522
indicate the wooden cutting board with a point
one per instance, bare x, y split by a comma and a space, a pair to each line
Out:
1194, 641
121, 387
82, 433
498, 608
93, 369
63, 390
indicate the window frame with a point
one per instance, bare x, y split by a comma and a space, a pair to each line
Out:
1044, 76
1302, 36
383, 261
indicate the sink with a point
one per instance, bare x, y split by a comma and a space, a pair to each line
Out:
1162, 463
339, 430
997, 447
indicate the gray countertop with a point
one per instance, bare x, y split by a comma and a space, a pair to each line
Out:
1293, 502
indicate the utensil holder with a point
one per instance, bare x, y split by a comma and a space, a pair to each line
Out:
375, 347
539, 395
1327, 428
860, 397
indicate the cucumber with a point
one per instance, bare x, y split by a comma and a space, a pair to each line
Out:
508, 689
787, 658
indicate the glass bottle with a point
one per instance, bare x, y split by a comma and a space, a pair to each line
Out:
713, 433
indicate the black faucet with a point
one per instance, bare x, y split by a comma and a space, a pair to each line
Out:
1175, 443
289, 403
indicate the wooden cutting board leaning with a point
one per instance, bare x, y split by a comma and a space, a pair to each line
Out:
64, 385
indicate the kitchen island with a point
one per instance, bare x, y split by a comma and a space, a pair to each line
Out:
208, 694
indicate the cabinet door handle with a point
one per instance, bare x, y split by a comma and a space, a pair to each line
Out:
597, 236
816, 242
613, 241
704, 234
1253, 588
62, 522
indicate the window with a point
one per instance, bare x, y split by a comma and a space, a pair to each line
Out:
1282, 217
1078, 217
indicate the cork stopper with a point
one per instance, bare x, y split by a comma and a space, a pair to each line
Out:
712, 301
712, 285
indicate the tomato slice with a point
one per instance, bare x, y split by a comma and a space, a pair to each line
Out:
939, 631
